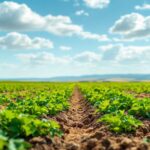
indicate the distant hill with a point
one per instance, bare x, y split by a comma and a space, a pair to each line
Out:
104, 77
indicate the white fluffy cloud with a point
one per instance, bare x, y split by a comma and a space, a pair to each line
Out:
14, 16
143, 7
16, 41
65, 48
126, 54
109, 52
42, 58
45, 58
132, 26
97, 4
81, 13
134, 54
28, 20
87, 57
92, 36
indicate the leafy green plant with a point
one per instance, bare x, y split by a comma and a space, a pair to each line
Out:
7, 143
146, 140
141, 108
4, 99
21, 125
25, 107
117, 107
120, 122
43, 103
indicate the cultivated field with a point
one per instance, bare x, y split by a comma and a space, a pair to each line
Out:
75, 116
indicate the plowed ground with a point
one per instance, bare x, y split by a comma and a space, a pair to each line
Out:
83, 132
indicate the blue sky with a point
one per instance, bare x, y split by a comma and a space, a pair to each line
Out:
74, 37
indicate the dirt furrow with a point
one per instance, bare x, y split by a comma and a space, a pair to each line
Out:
77, 123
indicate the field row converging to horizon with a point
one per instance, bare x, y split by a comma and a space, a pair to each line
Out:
74, 116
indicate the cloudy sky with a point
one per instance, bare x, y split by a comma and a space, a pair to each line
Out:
74, 37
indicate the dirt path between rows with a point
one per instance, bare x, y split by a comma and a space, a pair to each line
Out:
83, 132
78, 123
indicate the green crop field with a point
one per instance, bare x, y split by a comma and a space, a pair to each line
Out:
39, 114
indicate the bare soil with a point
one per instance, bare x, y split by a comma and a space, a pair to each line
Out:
140, 95
143, 95
83, 132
